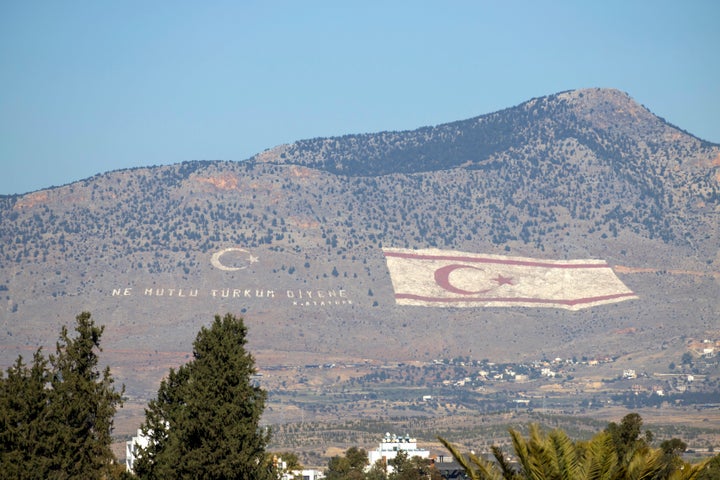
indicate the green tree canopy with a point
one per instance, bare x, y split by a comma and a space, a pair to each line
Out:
405, 467
291, 459
24, 405
553, 455
626, 435
712, 469
57, 415
354, 466
350, 466
204, 423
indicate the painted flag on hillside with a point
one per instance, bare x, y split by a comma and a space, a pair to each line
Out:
440, 278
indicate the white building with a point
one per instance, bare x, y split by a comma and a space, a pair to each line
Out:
141, 441
131, 450
391, 445
306, 474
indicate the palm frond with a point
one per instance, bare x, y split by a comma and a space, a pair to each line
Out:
475, 467
507, 470
688, 471
599, 460
564, 455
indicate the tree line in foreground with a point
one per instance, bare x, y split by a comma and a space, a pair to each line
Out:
619, 452
56, 420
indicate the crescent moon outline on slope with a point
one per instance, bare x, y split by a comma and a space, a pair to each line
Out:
442, 278
215, 259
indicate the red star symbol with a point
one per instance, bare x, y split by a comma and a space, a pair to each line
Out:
503, 280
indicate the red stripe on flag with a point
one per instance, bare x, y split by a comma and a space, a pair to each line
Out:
573, 302
500, 261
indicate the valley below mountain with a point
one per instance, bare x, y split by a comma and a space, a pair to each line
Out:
296, 240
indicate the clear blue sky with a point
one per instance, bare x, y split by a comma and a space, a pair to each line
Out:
92, 86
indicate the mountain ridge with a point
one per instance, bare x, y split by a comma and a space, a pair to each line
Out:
271, 154
592, 109
579, 174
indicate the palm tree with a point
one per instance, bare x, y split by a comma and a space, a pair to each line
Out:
554, 456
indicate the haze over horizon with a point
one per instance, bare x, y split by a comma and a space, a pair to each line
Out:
87, 88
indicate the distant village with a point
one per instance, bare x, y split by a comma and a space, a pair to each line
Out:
557, 385
388, 449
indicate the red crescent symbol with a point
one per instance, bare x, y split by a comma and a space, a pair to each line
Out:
442, 278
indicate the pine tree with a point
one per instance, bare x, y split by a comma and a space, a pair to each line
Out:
204, 423
83, 403
23, 403
57, 416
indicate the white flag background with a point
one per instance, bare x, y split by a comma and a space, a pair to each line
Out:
437, 278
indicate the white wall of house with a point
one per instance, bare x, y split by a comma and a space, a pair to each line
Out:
131, 450
391, 445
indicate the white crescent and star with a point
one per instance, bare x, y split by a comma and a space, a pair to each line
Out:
216, 259
442, 275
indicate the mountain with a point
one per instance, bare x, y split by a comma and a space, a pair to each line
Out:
293, 240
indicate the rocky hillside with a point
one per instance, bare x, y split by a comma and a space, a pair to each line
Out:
593, 163
154, 252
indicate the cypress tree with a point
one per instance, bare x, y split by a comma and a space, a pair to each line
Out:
83, 403
204, 423
23, 407
57, 416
